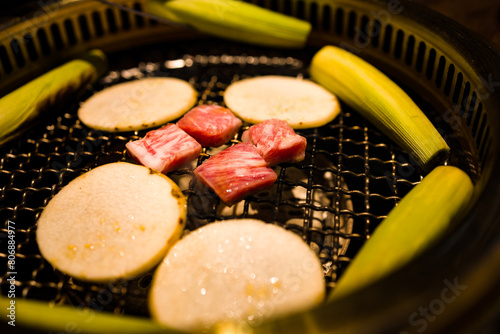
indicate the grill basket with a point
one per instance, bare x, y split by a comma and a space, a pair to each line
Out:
351, 178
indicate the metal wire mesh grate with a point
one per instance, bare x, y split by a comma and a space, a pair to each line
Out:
352, 176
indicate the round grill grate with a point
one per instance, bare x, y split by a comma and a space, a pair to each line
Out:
351, 178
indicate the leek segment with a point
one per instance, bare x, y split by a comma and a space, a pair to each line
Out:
376, 97
50, 89
234, 20
419, 219
42, 316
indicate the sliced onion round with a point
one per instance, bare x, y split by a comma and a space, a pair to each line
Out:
138, 104
235, 270
117, 220
302, 103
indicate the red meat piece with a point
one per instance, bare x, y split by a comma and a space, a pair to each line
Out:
165, 149
236, 172
276, 141
210, 125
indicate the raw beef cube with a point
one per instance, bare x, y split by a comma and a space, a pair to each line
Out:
210, 125
165, 149
276, 141
236, 172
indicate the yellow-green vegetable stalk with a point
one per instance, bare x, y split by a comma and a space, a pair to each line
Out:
61, 319
375, 96
419, 219
234, 20
45, 92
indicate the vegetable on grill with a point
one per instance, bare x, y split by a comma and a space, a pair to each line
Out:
301, 103
54, 88
234, 20
138, 104
420, 218
381, 101
50, 318
115, 221
235, 270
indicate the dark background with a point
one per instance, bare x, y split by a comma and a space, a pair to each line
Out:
481, 16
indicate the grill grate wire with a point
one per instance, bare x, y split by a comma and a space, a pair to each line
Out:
352, 176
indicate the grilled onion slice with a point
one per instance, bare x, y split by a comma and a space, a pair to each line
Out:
302, 103
235, 270
117, 220
138, 104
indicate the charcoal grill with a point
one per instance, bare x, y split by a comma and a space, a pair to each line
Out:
352, 175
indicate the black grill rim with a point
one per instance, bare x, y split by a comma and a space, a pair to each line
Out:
392, 313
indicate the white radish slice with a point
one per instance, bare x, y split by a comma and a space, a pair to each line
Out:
117, 220
235, 270
302, 103
138, 104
